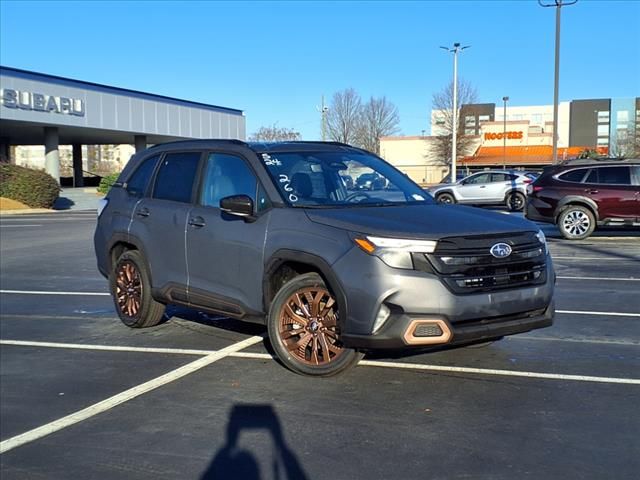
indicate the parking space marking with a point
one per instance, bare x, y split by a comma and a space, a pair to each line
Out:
125, 396
108, 348
605, 314
509, 373
623, 279
36, 292
19, 226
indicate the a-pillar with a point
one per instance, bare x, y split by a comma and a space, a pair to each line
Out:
78, 177
140, 142
51, 152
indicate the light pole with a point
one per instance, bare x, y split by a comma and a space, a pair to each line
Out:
323, 109
558, 4
454, 129
504, 135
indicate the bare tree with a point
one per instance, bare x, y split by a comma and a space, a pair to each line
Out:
274, 133
626, 143
344, 116
442, 102
379, 118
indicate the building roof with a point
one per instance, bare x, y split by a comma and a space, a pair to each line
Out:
70, 82
527, 155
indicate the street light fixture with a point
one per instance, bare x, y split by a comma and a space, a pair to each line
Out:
558, 4
456, 48
504, 135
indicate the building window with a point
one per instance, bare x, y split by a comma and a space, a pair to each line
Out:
484, 118
469, 131
603, 116
536, 118
603, 141
469, 120
603, 130
622, 116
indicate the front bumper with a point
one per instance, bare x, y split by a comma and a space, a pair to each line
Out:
419, 298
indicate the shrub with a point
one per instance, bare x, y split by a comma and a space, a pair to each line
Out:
106, 182
34, 188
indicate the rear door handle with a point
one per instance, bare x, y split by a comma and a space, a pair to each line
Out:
591, 191
143, 212
197, 222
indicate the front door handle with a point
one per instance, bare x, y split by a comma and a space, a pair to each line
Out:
197, 222
591, 191
143, 212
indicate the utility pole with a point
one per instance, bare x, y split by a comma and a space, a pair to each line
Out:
558, 4
504, 135
454, 134
323, 109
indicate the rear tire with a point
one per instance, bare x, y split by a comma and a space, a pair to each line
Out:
576, 222
130, 286
515, 201
304, 329
446, 198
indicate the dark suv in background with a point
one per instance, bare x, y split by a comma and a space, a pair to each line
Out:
578, 195
272, 233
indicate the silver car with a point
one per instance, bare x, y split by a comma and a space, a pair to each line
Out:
489, 187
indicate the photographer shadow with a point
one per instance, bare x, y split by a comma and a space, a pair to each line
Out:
233, 461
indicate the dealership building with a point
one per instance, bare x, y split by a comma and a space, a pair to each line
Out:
51, 111
524, 139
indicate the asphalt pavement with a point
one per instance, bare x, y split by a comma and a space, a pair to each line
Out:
200, 397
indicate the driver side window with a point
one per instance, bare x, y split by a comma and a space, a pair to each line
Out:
481, 178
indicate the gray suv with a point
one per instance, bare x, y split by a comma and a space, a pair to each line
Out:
272, 233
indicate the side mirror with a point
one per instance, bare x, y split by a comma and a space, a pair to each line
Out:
240, 205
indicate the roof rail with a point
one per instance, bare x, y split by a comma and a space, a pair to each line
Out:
198, 140
589, 161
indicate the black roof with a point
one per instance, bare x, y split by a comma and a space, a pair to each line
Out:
258, 147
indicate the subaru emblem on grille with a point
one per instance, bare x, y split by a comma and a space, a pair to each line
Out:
500, 250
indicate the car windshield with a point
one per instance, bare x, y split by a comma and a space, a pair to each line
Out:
339, 179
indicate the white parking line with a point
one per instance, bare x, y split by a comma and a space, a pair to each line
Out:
602, 278
372, 363
18, 226
123, 397
36, 292
605, 314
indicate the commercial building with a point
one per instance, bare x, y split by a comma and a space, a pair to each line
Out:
524, 140
46, 110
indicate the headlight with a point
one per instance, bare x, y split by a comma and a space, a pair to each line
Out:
395, 252
542, 239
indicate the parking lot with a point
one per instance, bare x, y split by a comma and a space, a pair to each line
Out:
83, 396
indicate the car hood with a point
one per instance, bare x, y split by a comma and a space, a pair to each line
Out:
430, 222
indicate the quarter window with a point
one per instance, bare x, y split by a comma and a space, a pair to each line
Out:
573, 176
176, 175
228, 175
137, 183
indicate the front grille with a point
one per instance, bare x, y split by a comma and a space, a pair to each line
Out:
466, 265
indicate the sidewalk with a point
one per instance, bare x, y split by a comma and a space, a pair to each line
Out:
70, 200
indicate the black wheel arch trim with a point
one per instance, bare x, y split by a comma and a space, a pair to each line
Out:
286, 255
576, 200
131, 240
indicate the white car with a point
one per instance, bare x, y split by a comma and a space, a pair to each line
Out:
489, 187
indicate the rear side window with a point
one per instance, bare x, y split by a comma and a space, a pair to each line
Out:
176, 177
614, 175
635, 175
137, 184
575, 176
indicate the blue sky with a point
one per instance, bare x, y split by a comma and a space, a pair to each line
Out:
274, 60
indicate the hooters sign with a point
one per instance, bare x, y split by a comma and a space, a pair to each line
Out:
499, 136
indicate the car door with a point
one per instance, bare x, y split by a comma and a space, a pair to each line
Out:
159, 222
500, 184
610, 187
473, 187
225, 252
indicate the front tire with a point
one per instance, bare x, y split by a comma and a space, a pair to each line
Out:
304, 329
130, 286
515, 201
446, 198
576, 222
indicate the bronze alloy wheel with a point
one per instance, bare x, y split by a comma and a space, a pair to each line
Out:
307, 326
128, 289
